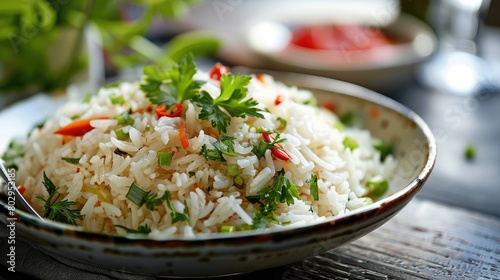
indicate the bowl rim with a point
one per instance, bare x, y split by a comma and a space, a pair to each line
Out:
399, 198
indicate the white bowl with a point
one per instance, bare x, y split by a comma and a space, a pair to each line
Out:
223, 254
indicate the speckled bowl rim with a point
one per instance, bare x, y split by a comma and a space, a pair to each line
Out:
397, 200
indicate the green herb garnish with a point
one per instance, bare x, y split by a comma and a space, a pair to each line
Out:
120, 134
262, 146
313, 186
71, 160
350, 143
231, 102
269, 198
470, 151
143, 229
117, 99
164, 158
59, 211
377, 186
384, 148
352, 119
136, 194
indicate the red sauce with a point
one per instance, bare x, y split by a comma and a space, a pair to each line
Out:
339, 37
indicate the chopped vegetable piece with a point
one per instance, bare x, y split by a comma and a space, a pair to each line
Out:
15, 150
278, 100
384, 148
77, 128
176, 216
239, 182
136, 194
276, 150
230, 103
71, 160
227, 229
352, 119
124, 118
120, 134
280, 191
164, 158
470, 151
21, 189
377, 186
87, 97
313, 186
143, 229
232, 169
339, 126
217, 71
117, 99
120, 152
183, 136
173, 111
225, 146
148, 127
282, 122
59, 211
212, 154
350, 143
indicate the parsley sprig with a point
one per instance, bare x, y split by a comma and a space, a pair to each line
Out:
172, 86
59, 211
230, 103
177, 85
269, 199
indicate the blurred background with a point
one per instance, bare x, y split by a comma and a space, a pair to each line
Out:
441, 58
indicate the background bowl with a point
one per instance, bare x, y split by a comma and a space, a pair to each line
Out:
222, 254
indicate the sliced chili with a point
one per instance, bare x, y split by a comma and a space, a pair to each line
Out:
172, 112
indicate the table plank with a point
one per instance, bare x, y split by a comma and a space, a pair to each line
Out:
426, 240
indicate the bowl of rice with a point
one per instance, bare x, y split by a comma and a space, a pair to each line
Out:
188, 173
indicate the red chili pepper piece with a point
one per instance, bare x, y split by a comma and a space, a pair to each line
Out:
218, 70
21, 189
77, 128
183, 135
278, 100
172, 112
277, 151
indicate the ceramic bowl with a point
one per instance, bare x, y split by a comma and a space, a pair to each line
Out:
382, 68
223, 254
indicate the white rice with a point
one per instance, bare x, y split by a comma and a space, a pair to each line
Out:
99, 182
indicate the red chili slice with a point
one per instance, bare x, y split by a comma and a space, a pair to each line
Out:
218, 70
277, 151
21, 189
172, 112
278, 100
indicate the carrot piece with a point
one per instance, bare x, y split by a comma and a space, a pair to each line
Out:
77, 128
183, 136
374, 112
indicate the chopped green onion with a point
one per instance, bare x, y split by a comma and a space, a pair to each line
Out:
71, 160
350, 143
368, 200
313, 186
243, 227
239, 182
232, 170
384, 148
164, 158
339, 126
284, 223
227, 229
124, 118
470, 151
148, 127
120, 134
312, 101
351, 118
87, 97
377, 186
282, 123
136, 194
117, 99
74, 117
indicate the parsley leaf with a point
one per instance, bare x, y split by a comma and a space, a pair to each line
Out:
176, 216
59, 211
269, 198
172, 86
230, 103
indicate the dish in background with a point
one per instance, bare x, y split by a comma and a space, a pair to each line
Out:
222, 254
378, 57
